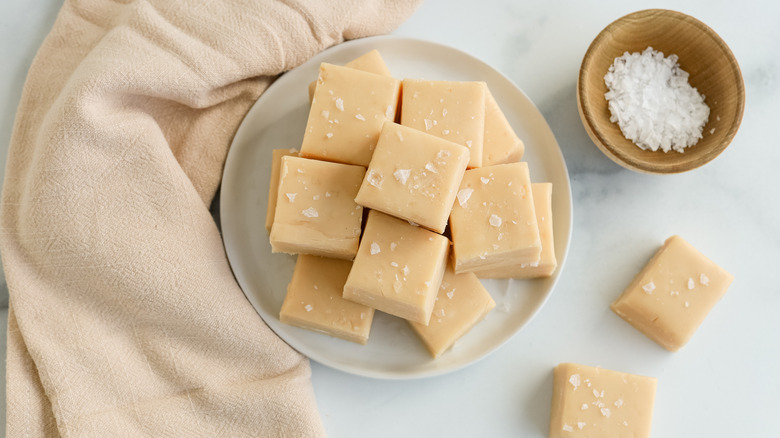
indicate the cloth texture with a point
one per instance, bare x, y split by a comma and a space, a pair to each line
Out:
125, 319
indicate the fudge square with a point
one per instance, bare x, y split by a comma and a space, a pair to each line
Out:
501, 143
370, 62
542, 193
414, 176
398, 268
454, 111
461, 303
316, 211
672, 294
493, 222
314, 300
347, 113
273, 186
593, 402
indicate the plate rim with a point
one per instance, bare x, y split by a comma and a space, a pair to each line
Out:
356, 370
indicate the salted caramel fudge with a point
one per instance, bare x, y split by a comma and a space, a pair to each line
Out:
501, 143
316, 211
461, 303
370, 62
314, 300
670, 297
591, 402
413, 176
542, 194
273, 186
398, 268
451, 110
347, 112
493, 221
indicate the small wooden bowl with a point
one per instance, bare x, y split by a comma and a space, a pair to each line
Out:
702, 53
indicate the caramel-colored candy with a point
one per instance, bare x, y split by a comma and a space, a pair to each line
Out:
493, 222
273, 186
370, 62
591, 402
316, 211
454, 111
669, 299
413, 176
461, 303
314, 300
398, 268
347, 112
547, 262
501, 144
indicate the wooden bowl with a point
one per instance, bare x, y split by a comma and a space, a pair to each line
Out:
702, 53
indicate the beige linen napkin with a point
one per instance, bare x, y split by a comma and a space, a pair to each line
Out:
126, 319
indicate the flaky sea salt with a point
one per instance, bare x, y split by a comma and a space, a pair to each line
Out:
651, 100
575, 381
402, 175
375, 178
464, 195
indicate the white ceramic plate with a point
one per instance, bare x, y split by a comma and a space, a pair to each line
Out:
277, 120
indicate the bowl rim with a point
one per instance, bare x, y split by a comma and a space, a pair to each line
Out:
615, 152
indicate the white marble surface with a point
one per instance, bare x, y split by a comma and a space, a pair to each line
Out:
725, 382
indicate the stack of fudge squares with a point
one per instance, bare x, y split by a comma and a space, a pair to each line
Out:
403, 195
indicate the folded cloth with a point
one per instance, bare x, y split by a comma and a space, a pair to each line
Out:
125, 318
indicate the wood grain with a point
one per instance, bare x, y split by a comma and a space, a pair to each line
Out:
702, 53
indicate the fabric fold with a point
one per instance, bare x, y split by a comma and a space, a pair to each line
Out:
126, 319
